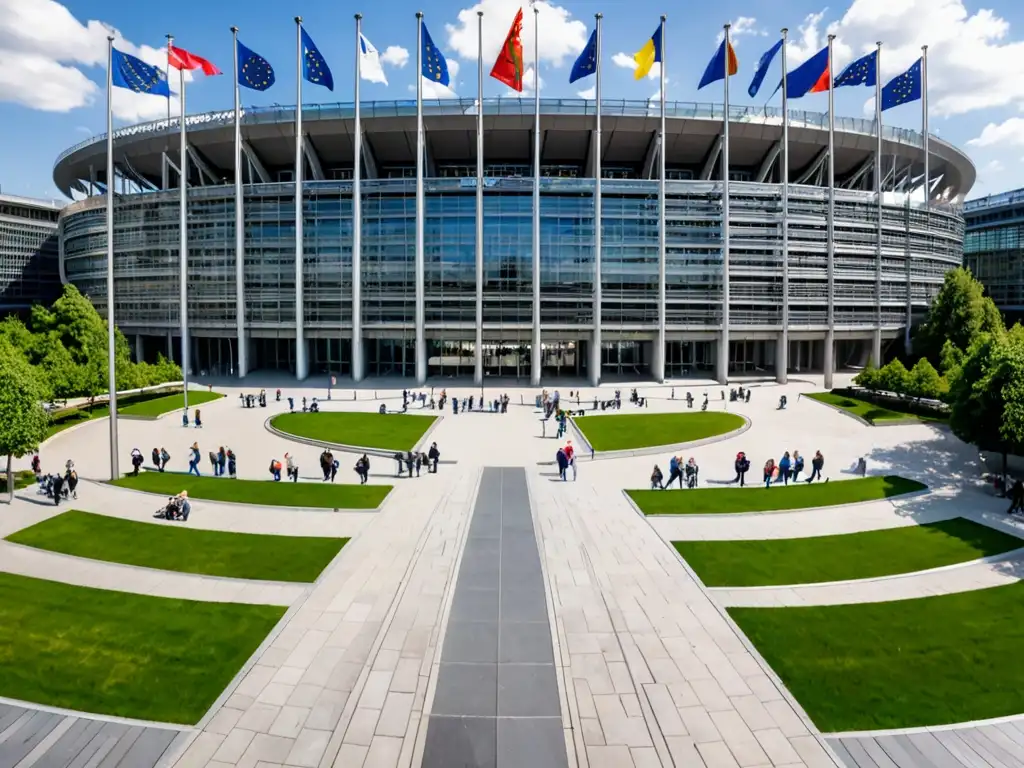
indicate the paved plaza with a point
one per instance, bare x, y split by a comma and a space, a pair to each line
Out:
494, 615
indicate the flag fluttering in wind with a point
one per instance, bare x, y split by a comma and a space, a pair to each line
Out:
649, 55
179, 58
314, 66
762, 68
134, 74
863, 71
508, 68
586, 62
435, 66
903, 88
722, 65
809, 77
370, 67
254, 71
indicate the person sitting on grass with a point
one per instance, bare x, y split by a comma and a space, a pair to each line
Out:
656, 479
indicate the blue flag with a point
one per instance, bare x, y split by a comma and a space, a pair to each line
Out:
253, 70
586, 63
903, 88
314, 68
809, 77
762, 68
435, 66
722, 65
126, 71
864, 71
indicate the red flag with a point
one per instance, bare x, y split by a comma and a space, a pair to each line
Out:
179, 58
509, 66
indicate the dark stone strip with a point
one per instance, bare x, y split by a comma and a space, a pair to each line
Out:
496, 704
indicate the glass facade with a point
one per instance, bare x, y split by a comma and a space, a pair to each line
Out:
993, 248
28, 254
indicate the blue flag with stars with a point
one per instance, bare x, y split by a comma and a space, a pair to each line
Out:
762, 68
314, 67
253, 70
903, 88
435, 66
586, 64
864, 71
126, 71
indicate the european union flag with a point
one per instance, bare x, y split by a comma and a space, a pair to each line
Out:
314, 68
253, 70
762, 68
903, 88
864, 71
586, 64
435, 66
126, 71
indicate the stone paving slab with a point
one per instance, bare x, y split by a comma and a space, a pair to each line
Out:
99, 574
51, 739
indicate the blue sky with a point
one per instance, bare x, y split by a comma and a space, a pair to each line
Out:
51, 51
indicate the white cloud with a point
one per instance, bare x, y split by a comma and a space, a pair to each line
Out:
395, 56
432, 90
590, 93
807, 41
742, 26
1008, 133
44, 50
972, 62
561, 37
626, 61
993, 166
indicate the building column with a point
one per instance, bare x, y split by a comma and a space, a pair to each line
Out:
536, 359
170, 347
595, 356
421, 357
782, 358
138, 348
830, 353
358, 360
301, 358
722, 358
876, 348
658, 358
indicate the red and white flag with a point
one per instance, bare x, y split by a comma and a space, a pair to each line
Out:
179, 58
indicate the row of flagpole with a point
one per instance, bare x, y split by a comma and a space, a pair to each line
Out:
312, 67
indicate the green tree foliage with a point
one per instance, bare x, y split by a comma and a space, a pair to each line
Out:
893, 377
868, 378
68, 343
924, 382
960, 313
23, 421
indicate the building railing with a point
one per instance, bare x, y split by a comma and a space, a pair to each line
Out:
991, 201
453, 107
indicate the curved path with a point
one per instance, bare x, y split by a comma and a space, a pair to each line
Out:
649, 669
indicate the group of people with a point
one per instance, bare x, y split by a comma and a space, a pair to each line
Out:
249, 401
177, 508
197, 419
677, 471
565, 457
497, 405
56, 486
408, 461
787, 469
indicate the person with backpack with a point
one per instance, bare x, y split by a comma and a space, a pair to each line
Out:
164, 458
275, 470
742, 466
784, 466
193, 464
136, 461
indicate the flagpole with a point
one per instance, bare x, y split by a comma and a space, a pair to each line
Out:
595, 344
723, 361
658, 358
183, 240
420, 344
782, 361
239, 223
111, 357
357, 216
876, 341
167, 73
478, 371
300, 330
535, 350
924, 123
830, 338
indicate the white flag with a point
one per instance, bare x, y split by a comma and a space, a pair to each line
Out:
369, 62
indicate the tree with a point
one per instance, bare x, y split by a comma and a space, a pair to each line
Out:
868, 378
959, 314
950, 359
925, 382
893, 377
23, 421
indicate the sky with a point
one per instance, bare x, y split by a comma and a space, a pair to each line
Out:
53, 61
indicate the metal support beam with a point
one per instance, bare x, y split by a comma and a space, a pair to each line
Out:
429, 166
200, 162
313, 159
588, 167
814, 167
768, 162
369, 160
858, 175
712, 159
651, 157
255, 163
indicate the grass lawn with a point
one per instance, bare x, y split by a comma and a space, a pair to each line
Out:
399, 432
757, 498
266, 492
862, 555
871, 412
23, 478
160, 405
121, 654
898, 664
69, 417
642, 430
172, 548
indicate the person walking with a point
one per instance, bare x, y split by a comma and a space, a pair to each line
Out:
675, 471
433, 454
197, 420
136, 462
222, 459
214, 466
193, 465
817, 463
164, 458
798, 465
570, 456
325, 464
1016, 498
232, 463
275, 470
563, 462
742, 466
292, 467
769, 472
785, 463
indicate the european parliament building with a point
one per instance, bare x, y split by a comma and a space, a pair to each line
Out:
28, 253
994, 248
888, 260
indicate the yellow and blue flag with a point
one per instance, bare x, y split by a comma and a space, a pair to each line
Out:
314, 66
722, 65
864, 71
253, 70
650, 54
126, 71
435, 66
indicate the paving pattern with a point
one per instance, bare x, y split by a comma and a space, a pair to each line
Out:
999, 744
45, 739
